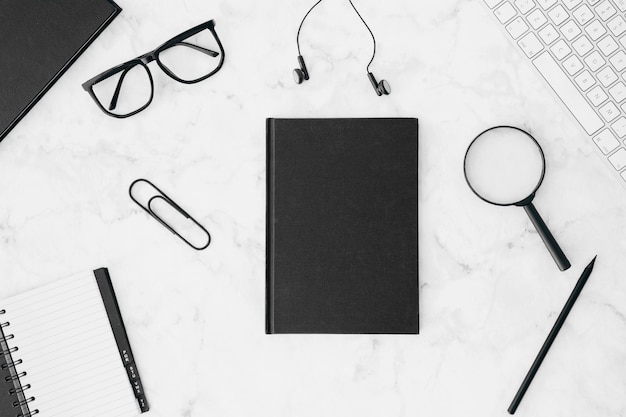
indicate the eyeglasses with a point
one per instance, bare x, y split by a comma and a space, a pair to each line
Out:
189, 58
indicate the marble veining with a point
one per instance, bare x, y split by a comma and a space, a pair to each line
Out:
489, 290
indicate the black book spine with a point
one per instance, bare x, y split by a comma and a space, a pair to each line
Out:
16, 397
269, 224
121, 337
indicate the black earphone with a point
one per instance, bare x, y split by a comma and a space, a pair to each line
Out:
381, 87
301, 74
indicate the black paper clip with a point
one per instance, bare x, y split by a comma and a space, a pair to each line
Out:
164, 197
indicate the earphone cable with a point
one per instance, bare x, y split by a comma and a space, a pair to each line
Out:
371, 33
301, 23
360, 17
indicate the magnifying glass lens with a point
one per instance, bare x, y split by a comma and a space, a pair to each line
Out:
504, 165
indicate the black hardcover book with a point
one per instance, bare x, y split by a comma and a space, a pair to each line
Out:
63, 346
39, 40
342, 226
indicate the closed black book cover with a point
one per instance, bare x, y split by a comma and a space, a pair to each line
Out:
39, 40
342, 226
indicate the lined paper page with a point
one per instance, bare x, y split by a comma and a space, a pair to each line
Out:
68, 351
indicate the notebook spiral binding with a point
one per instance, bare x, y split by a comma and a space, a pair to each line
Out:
17, 389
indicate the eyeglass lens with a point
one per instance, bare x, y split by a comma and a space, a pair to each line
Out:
127, 90
193, 58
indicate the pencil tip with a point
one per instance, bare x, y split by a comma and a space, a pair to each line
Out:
592, 261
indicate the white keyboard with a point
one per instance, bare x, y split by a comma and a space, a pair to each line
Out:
579, 47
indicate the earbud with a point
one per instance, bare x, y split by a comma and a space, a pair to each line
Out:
381, 87
300, 74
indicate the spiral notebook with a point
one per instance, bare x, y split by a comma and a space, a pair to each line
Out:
64, 352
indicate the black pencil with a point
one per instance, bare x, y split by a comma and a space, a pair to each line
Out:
553, 333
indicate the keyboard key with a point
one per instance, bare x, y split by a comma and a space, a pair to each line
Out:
570, 4
620, 127
583, 14
624, 175
617, 25
597, 96
505, 12
492, 3
607, 76
606, 141
621, 5
546, 4
524, 6
595, 61
585, 80
609, 111
605, 10
570, 30
582, 45
560, 49
530, 45
517, 27
607, 45
572, 65
619, 60
536, 19
568, 93
595, 30
618, 159
558, 15
549, 34
618, 92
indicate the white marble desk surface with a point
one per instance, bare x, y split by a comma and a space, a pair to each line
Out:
489, 290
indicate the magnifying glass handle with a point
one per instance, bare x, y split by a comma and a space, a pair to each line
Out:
554, 248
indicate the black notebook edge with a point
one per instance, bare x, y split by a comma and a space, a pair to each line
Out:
269, 282
121, 337
269, 285
116, 11
417, 129
5, 351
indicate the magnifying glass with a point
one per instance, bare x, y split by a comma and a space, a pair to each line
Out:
505, 166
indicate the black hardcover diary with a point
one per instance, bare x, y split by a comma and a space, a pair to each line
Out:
342, 226
39, 40
64, 348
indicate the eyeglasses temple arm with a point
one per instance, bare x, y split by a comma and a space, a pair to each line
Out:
199, 48
116, 94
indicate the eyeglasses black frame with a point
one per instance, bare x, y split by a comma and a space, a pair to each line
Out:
148, 57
